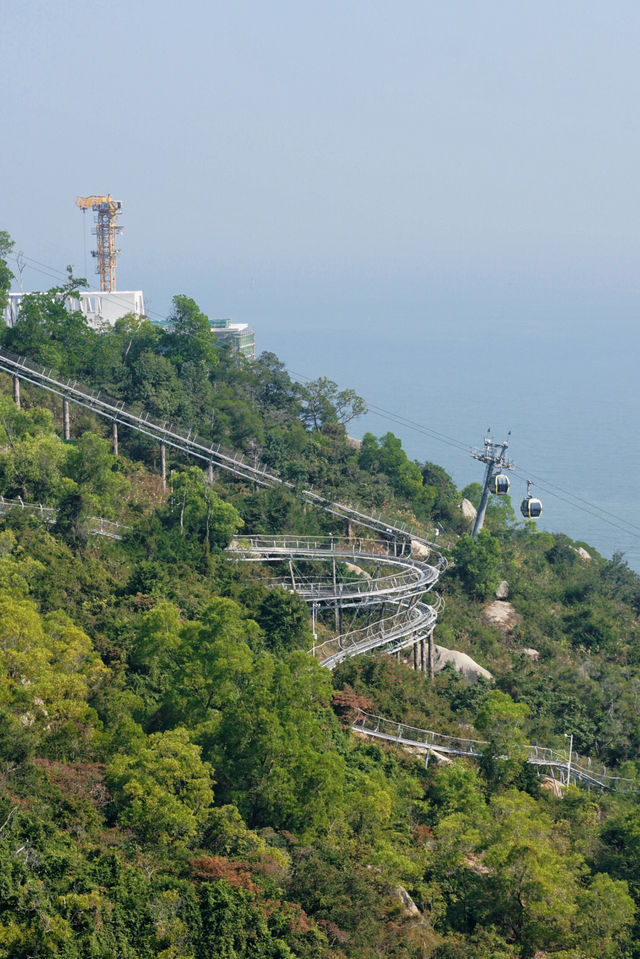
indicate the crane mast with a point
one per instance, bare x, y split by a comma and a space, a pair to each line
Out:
106, 210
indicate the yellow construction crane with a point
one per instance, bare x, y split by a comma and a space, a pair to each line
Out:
106, 231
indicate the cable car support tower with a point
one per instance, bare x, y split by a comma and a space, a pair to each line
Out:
493, 455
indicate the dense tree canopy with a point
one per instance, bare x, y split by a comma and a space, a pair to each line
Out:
177, 775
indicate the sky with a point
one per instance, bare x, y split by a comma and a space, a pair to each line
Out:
285, 147
416, 171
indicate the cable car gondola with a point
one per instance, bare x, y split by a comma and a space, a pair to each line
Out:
531, 506
499, 484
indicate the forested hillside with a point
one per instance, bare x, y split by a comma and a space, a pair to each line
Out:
178, 778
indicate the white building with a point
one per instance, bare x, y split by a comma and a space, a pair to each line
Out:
100, 309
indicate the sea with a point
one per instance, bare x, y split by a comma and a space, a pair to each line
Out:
560, 382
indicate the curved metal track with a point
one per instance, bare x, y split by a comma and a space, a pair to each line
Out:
410, 575
191, 444
401, 589
557, 764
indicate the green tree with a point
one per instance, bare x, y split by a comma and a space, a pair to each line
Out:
532, 882
284, 619
191, 344
6, 276
323, 403
48, 673
446, 508
49, 331
91, 464
605, 918
163, 791
196, 513
501, 721
477, 563
32, 467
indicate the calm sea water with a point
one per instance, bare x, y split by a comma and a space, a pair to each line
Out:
569, 397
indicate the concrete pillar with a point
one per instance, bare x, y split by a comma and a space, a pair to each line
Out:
422, 662
114, 438
16, 391
431, 656
66, 421
163, 464
415, 656
210, 473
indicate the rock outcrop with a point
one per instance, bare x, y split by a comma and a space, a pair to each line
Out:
582, 553
419, 550
461, 663
469, 512
501, 613
357, 570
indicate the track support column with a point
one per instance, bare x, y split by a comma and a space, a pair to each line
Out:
114, 438
16, 391
335, 592
163, 464
66, 420
431, 657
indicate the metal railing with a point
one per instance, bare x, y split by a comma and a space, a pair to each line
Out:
192, 445
583, 772
391, 634
412, 577
98, 525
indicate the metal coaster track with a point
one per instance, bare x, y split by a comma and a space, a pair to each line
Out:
190, 444
402, 588
412, 621
558, 765
98, 525
411, 577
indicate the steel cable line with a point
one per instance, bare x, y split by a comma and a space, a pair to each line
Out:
592, 509
556, 490
403, 421
585, 507
56, 274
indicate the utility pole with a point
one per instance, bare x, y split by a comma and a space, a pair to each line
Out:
493, 455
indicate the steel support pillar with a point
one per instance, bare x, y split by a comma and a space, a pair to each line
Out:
66, 422
114, 438
484, 499
163, 464
16, 391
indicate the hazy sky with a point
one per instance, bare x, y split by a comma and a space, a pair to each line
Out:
448, 189
274, 158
